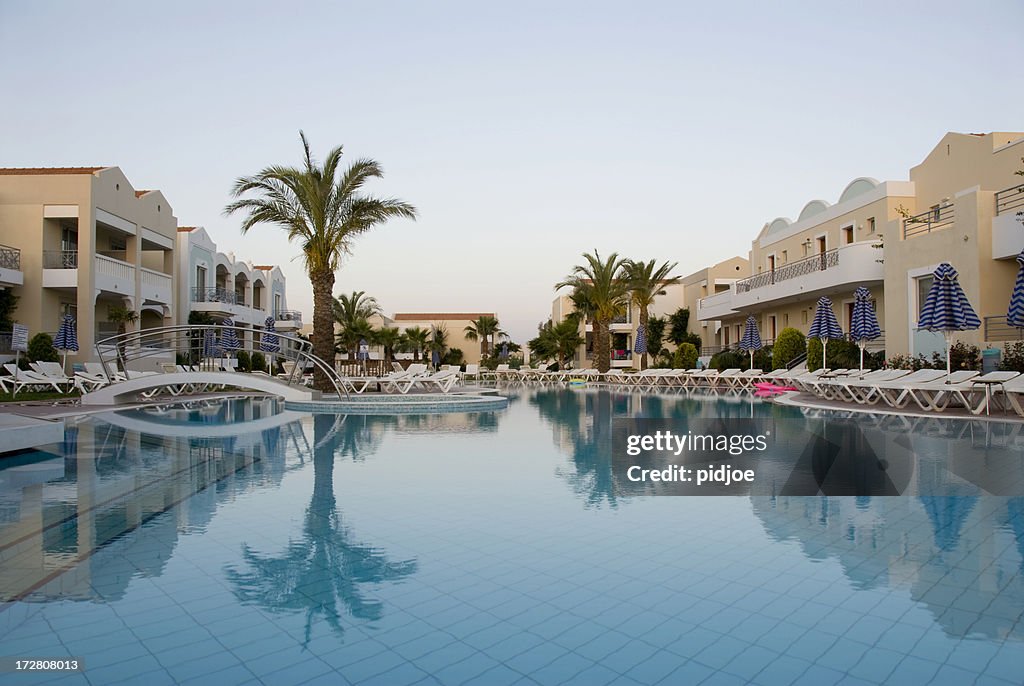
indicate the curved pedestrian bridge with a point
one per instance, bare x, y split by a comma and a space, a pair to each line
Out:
128, 391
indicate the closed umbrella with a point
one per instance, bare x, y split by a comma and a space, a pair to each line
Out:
1015, 313
824, 326
209, 343
504, 351
269, 342
640, 344
228, 337
67, 337
751, 340
864, 326
435, 357
947, 309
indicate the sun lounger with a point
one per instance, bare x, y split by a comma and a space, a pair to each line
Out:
972, 394
849, 386
723, 378
29, 378
744, 379
1012, 392
442, 381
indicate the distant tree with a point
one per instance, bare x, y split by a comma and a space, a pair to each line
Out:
8, 304
416, 340
484, 329
389, 338
600, 284
656, 335
678, 326
351, 313
646, 281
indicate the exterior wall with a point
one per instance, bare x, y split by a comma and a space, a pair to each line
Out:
455, 328
964, 171
34, 203
707, 282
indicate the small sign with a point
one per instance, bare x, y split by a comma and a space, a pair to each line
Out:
19, 338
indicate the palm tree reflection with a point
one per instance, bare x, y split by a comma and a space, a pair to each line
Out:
325, 572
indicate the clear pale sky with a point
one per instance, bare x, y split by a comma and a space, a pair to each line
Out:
525, 133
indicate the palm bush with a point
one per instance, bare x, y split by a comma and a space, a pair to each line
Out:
646, 281
598, 285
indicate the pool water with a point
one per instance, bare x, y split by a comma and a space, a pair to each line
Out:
234, 542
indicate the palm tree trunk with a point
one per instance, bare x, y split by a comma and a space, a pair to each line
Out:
643, 325
323, 325
602, 346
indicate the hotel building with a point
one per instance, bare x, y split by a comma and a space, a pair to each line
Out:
959, 206
84, 241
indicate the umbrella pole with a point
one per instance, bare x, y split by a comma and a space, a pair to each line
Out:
861, 355
949, 357
751, 358
824, 343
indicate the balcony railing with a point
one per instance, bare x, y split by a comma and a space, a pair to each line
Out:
288, 316
792, 270
10, 258
996, 329
60, 259
622, 319
109, 266
213, 295
934, 219
622, 355
1010, 199
156, 279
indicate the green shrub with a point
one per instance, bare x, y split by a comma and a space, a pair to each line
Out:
789, 345
762, 358
258, 362
685, 356
453, 356
40, 349
244, 363
730, 359
964, 356
1013, 357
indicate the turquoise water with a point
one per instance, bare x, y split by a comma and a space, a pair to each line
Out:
233, 543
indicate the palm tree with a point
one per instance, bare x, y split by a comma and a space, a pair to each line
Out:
351, 313
416, 339
438, 340
324, 210
557, 341
390, 338
646, 282
599, 286
484, 328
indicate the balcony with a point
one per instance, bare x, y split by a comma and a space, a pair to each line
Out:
935, 219
1008, 224
10, 267
114, 276
837, 270
717, 306
288, 320
215, 301
997, 330
157, 286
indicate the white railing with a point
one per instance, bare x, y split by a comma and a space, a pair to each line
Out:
116, 269
155, 279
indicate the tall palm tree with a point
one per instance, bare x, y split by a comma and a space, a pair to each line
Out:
646, 282
324, 209
354, 332
557, 341
389, 338
438, 340
599, 283
484, 328
351, 313
417, 338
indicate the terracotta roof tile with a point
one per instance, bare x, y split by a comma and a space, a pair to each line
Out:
263, 267
139, 194
186, 229
433, 316
47, 171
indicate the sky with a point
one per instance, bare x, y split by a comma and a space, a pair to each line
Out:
525, 133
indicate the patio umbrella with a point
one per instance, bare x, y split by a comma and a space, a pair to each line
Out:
1015, 313
946, 309
864, 326
269, 342
228, 337
435, 358
640, 344
824, 325
67, 337
209, 343
751, 340
504, 351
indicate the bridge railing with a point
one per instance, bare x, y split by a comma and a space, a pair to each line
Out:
204, 345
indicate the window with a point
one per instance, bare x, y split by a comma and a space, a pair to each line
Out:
201, 279
785, 320
785, 256
725, 335
822, 244
871, 225
847, 232
803, 317
771, 327
68, 240
277, 303
924, 284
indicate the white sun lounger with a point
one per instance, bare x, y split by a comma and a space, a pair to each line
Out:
897, 393
972, 394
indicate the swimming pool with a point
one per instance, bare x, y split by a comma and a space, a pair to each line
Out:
235, 542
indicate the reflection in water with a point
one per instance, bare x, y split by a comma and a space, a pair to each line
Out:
325, 571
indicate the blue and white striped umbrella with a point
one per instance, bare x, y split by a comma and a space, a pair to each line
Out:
1015, 313
825, 325
67, 337
864, 326
751, 340
209, 343
640, 345
947, 309
228, 337
269, 341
